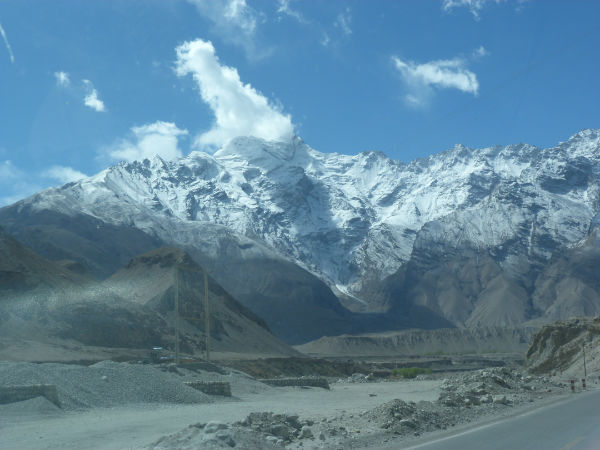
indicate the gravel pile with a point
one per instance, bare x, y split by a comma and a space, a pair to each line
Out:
260, 430
216, 435
282, 427
35, 406
358, 378
105, 384
498, 385
400, 417
464, 398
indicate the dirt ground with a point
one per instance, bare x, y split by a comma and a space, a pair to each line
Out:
139, 426
356, 412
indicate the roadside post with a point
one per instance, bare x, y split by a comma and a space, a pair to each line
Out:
583, 383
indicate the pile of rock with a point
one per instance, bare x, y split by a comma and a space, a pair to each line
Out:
359, 378
400, 417
279, 428
215, 435
463, 398
497, 385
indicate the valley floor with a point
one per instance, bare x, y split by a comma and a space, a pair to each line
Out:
106, 406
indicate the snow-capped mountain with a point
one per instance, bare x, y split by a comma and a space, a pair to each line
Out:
355, 221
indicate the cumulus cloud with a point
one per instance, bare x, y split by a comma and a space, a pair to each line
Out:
10, 52
474, 6
234, 21
443, 74
239, 109
63, 174
158, 138
91, 99
62, 78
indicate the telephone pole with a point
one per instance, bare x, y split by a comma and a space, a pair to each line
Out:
176, 285
207, 317
584, 366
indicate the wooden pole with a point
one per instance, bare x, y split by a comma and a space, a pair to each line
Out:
584, 366
176, 285
207, 317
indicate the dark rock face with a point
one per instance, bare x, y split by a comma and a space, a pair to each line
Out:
570, 285
102, 325
22, 270
133, 309
292, 302
100, 248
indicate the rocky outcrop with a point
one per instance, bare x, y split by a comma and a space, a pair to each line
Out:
559, 348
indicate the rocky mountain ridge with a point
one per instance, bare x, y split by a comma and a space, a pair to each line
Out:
463, 234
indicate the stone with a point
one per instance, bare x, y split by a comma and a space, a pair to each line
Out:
407, 423
486, 399
225, 437
281, 430
214, 426
306, 433
500, 399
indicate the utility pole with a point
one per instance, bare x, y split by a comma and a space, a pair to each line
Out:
207, 317
176, 285
584, 366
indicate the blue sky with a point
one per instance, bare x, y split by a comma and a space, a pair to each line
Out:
84, 84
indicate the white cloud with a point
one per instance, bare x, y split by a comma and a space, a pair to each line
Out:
474, 6
480, 52
15, 184
63, 174
284, 8
91, 98
239, 109
62, 78
158, 138
344, 22
421, 78
10, 52
234, 21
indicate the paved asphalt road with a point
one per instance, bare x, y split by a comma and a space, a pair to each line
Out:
569, 425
